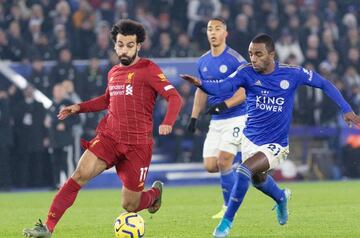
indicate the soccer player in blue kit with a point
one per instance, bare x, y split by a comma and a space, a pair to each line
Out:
222, 142
270, 90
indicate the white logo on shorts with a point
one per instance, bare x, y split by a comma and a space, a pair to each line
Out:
223, 68
284, 84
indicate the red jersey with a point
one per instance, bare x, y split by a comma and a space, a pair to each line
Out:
130, 98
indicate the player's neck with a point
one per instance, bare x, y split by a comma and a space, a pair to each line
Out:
270, 68
217, 50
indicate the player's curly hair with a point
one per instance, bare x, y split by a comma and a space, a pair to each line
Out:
128, 27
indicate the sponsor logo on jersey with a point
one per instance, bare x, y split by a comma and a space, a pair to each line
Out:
258, 83
162, 78
273, 104
129, 90
223, 68
284, 84
130, 77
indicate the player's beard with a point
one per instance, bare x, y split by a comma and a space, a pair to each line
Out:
126, 60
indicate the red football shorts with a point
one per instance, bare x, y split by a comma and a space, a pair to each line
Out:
131, 161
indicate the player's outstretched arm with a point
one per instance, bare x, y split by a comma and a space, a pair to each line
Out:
191, 79
68, 111
96, 104
351, 118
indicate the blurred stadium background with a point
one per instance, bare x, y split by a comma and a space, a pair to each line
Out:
45, 42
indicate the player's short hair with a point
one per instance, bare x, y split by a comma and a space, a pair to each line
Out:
266, 39
219, 19
128, 27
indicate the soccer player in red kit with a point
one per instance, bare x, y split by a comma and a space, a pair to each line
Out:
124, 135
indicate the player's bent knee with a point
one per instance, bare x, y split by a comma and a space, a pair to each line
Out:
130, 199
211, 168
224, 163
210, 164
80, 177
258, 178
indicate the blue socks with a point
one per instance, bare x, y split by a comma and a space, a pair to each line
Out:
270, 188
227, 179
238, 192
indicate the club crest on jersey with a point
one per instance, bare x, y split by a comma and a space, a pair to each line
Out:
223, 68
205, 69
111, 79
258, 83
284, 84
162, 78
130, 77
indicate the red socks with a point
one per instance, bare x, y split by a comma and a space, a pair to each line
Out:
62, 201
67, 195
148, 198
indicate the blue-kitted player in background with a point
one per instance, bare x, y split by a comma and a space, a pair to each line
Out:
223, 139
270, 91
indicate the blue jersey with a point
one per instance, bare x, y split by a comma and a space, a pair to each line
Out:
217, 68
270, 98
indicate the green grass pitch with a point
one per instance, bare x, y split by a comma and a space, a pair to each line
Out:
321, 209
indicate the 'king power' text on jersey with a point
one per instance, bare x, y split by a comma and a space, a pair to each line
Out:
270, 98
216, 69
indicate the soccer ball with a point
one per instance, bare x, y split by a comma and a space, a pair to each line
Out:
129, 225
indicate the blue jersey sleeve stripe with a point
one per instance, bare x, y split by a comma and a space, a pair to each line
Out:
237, 56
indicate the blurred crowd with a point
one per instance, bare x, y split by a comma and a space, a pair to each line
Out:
317, 34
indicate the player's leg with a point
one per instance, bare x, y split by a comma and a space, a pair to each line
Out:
89, 166
231, 134
210, 150
133, 169
275, 154
266, 184
227, 179
255, 164
134, 201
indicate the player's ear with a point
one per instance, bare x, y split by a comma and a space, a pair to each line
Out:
138, 47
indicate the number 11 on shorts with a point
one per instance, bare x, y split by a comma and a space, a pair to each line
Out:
143, 173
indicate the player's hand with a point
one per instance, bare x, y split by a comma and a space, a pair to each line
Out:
192, 125
165, 130
351, 118
191, 79
217, 109
67, 111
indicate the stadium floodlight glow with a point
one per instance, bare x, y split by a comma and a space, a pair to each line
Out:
22, 83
